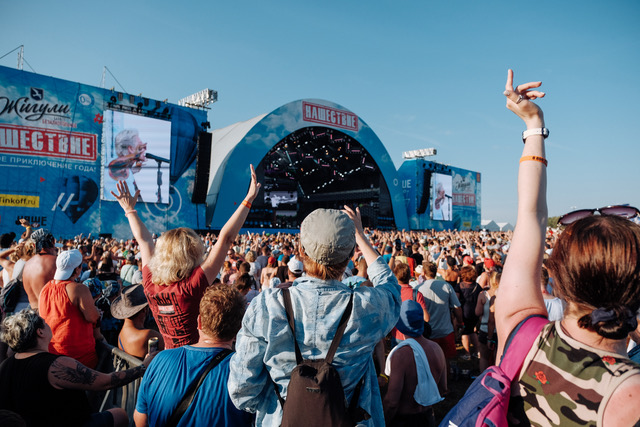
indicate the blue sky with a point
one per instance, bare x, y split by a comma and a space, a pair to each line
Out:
420, 73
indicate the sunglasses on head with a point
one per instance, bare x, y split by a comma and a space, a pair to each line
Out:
623, 211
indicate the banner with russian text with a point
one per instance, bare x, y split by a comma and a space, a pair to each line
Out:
64, 145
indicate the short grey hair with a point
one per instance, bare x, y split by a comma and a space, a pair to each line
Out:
20, 330
124, 140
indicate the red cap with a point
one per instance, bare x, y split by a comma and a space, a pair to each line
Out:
489, 263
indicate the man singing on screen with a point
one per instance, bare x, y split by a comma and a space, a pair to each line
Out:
131, 157
441, 205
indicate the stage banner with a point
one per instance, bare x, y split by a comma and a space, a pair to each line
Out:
64, 145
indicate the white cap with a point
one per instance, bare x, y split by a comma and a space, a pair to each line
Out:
66, 262
295, 266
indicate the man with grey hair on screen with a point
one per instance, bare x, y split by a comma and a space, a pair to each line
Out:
131, 153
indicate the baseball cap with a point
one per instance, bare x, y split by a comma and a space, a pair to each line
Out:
328, 236
411, 321
295, 266
66, 262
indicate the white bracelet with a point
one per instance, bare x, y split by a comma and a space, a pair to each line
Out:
537, 131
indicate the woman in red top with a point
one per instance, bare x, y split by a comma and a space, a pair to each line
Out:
174, 270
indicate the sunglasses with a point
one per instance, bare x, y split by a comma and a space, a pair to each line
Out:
623, 211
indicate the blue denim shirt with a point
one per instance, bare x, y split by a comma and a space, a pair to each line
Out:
265, 349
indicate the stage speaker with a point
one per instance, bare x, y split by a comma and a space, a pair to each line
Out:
203, 164
424, 197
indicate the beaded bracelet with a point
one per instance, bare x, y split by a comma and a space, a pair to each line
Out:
247, 204
534, 158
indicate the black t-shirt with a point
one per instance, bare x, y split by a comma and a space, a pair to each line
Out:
25, 390
418, 258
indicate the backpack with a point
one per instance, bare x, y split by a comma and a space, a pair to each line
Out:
315, 396
486, 402
10, 295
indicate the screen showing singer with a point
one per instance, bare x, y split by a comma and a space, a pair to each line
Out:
136, 149
441, 198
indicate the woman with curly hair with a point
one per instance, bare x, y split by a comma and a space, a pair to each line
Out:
174, 269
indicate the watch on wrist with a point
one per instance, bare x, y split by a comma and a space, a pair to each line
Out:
536, 131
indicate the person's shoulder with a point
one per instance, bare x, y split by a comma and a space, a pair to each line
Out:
622, 408
402, 355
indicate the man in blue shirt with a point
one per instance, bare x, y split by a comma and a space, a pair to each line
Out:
172, 372
265, 346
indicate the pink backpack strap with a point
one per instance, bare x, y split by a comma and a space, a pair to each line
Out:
519, 344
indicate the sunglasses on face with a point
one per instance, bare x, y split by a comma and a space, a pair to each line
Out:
623, 211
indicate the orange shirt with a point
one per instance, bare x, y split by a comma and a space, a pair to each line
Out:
72, 334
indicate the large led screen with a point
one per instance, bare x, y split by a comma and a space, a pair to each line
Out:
136, 149
441, 197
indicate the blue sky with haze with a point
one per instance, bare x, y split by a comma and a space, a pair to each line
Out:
420, 73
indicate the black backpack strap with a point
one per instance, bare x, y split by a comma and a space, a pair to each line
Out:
415, 294
289, 309
193, 388
341, 327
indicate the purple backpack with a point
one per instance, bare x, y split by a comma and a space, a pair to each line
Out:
486, 401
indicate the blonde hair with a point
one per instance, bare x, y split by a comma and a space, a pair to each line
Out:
494, 280
24, 250
177, 253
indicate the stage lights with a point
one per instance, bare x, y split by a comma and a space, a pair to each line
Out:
419, 154
200, 99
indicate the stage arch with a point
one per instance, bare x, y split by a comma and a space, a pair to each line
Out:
309, 153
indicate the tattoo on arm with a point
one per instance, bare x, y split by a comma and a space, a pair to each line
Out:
125, 377
78, 375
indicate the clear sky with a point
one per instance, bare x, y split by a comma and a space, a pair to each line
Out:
420, 73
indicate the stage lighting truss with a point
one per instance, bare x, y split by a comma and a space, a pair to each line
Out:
318, 160
419, 154
200, 100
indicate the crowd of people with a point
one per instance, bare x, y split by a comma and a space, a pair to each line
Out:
239, 318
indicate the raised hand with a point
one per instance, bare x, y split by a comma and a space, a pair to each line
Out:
254, 187
519, 100
124, 197
355, 217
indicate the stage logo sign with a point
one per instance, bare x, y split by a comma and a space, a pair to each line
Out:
329, 116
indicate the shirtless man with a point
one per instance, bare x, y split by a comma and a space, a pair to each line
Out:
41, 267
411, 393
132, 306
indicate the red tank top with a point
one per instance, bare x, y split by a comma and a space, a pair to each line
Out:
72, 334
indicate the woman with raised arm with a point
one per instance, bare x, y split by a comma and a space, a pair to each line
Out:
47, 389
175, 271
577, 371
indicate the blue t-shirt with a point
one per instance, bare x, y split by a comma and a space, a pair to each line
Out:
170, 374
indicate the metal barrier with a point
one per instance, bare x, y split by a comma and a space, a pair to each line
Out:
112, 359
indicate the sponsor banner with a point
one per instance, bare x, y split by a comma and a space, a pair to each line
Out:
329, 116
51, 149
17, 200
465, 201
32, 141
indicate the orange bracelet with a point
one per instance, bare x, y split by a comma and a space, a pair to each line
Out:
534, 158
247, 204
